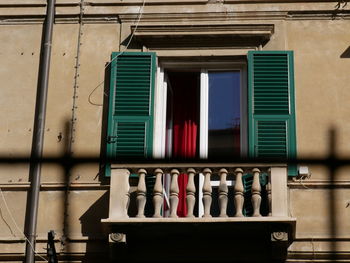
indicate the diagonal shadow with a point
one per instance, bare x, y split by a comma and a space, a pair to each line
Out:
346, 53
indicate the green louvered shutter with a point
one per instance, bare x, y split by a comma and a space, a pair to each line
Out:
271, 107
130, 117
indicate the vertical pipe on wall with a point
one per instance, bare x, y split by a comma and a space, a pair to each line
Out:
38, 132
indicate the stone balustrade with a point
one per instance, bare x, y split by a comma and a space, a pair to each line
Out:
247, 190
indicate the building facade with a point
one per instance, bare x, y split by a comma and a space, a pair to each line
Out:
124, 74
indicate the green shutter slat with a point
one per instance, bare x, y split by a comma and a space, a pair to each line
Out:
132, 79
132, 92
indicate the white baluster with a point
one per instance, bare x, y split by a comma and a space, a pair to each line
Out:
174, 192
207, 190
256, 192
141, 193
223, 192
239, 192
190, 192
158, 193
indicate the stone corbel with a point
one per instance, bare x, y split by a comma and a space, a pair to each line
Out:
279, 236
117, 238
279, 245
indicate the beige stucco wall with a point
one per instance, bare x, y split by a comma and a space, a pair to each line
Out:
321, 79
20, 50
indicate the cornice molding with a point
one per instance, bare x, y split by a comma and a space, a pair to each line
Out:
31, 3
312, 184
24, 186
205, 16
189, 18
235, 16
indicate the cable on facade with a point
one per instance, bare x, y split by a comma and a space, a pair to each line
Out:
125, 48
301, 182
132, 34
6, 223
17, 227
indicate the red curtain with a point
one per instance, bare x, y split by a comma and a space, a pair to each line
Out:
185, 126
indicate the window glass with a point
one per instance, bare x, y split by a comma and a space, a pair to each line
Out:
224, 114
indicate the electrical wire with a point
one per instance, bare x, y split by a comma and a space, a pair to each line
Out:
125, 48
6, 223
19, 230
132, 34
300, 181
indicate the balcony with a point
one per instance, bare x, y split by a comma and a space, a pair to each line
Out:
243, 202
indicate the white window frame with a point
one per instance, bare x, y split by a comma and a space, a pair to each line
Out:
160, 105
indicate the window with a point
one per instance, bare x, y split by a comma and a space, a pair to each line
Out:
268, 104
206, 112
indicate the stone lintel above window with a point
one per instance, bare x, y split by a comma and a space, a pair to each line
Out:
232, 36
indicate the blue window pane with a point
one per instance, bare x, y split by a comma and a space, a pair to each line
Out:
224, 114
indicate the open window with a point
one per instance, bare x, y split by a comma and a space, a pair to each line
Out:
182, 110
201, 111
139, 93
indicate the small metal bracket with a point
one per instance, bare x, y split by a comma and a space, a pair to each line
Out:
303, 173
51, 250
112, 139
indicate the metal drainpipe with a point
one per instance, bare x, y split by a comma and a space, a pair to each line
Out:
38, 132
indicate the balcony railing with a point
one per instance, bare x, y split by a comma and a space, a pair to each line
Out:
258, 186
